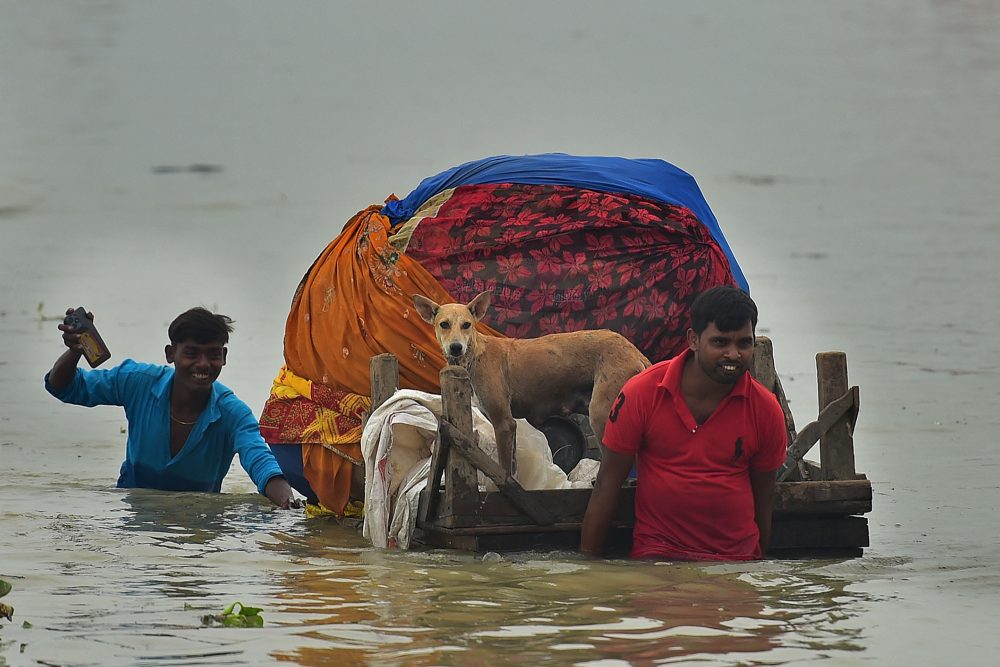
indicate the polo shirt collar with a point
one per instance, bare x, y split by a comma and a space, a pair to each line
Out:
671, 381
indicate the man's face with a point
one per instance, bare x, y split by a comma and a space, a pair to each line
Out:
724, 356
197, 365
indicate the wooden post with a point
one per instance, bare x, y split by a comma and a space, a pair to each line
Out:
460, 479
765, 372
384, 369
836, 444
844, 407
461, 495
383, 372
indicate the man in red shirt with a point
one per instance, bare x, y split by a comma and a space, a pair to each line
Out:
706, 440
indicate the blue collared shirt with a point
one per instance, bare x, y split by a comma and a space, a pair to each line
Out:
226, 427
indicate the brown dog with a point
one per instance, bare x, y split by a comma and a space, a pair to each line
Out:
534, 378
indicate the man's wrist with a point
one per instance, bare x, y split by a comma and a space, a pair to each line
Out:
272, 479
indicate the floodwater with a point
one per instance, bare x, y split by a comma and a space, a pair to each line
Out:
158, 155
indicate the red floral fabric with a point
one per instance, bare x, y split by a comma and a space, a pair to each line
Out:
563, 259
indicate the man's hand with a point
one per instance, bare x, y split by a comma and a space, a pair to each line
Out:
70, 338
64, 369
280, 493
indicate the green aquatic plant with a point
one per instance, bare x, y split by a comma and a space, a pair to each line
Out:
245, 617
6, 611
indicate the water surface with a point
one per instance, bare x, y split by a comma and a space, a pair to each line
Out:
161, 155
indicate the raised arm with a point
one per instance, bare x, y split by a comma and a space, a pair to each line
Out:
603, 501
64, 369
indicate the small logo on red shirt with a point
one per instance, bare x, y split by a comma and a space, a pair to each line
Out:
738, 449
619, 402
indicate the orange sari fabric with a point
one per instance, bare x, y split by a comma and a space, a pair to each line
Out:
356, 301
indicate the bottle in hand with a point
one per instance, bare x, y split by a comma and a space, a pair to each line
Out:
93, 345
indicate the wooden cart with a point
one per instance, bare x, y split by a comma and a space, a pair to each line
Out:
818, 508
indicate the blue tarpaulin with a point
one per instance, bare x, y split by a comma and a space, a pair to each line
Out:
652, 178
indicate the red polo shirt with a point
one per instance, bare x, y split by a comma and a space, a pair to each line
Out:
693, 497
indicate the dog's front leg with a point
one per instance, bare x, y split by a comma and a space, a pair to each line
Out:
506, 432
496, 405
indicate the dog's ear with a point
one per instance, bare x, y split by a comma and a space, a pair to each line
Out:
426, 308
479, 305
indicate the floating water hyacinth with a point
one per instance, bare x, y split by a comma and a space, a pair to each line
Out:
245, 617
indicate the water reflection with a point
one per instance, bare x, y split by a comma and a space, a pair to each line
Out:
328, 598
185, 520
449, 608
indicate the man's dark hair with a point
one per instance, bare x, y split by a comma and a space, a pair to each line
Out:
200, 325
729, 307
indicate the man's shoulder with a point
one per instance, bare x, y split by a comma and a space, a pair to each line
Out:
651, 376
758, 390
654, 376
133, 366
138, 370
763, 398
228, 401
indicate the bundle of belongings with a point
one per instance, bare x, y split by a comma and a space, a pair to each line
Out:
397, 444
562, 242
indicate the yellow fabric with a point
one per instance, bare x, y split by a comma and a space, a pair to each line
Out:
320, 417
354, 509
289, 385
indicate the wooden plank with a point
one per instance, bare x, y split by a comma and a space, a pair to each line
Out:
513, 529
445, 539
815, 536
565, 506
808, 471
823, 498
430, 497
836, 443
803, 530
818, 533
619, 541
506, 485
497, 513
800, 494
831, 508
811, 434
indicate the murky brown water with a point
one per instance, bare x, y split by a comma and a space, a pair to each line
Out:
850, 152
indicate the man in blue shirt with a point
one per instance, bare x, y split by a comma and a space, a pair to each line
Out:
183, 427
